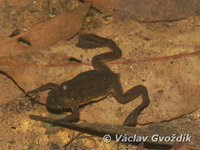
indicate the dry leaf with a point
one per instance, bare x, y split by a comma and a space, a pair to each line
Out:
43, 35
61, 27
149, 10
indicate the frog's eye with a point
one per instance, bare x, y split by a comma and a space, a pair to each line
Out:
64, 87
60, 105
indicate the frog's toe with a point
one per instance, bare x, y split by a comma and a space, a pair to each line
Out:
130, 121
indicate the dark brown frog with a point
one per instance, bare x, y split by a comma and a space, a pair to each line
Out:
93, 85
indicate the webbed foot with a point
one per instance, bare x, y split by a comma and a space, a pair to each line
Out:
90, 41
131, 120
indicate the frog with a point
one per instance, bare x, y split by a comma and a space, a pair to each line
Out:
93, 85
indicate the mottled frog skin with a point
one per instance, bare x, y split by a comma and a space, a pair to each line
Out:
93, 85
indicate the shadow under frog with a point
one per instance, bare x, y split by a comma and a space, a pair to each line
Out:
93, 85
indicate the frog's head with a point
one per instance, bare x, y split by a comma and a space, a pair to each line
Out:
55, 100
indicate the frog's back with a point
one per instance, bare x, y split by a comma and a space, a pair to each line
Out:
91, 84
94, 76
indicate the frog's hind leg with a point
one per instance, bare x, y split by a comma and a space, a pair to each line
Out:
130, 95
68, 119
91, 41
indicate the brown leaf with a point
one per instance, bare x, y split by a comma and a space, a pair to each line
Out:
45, 34
33, 69
106, 6
149, 10
61, 27
10, 46
24, 70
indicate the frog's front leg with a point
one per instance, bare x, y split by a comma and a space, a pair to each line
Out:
74, 117
41, 89
130, 95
